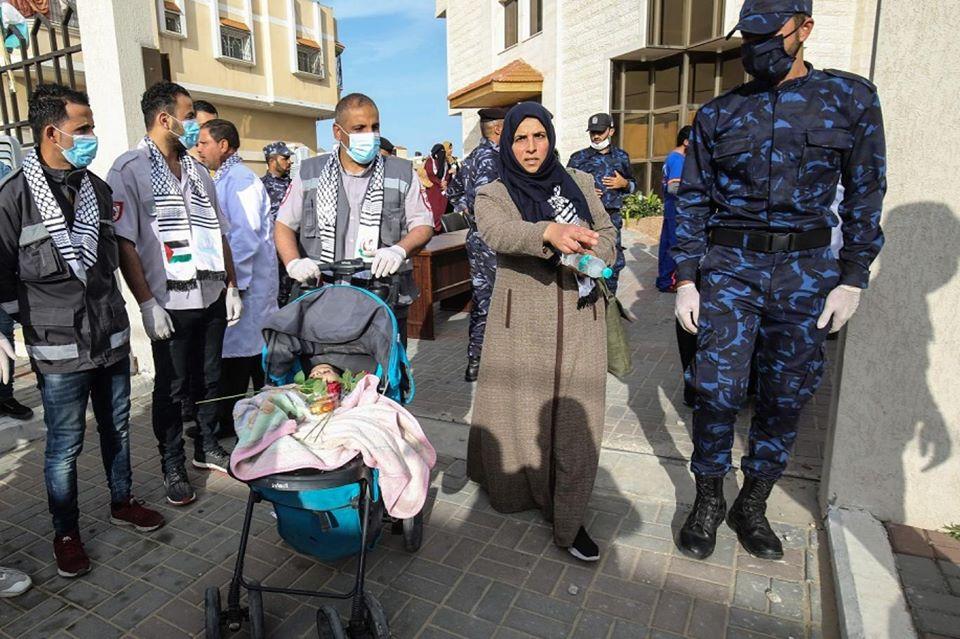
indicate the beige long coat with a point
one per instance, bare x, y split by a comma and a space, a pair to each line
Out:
539, 410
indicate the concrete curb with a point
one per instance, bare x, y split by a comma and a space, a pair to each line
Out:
870, 600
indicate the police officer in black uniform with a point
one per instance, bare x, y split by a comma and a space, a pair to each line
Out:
759, 180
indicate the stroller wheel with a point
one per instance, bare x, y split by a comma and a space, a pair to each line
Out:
375, 617
413, 532
329, 625
211, 610
255, 599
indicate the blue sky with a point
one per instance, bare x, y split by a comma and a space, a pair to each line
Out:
397, 54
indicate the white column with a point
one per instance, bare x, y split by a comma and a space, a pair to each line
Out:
112, 33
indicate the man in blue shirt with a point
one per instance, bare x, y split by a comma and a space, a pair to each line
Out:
672, 170
759, 181
612, 176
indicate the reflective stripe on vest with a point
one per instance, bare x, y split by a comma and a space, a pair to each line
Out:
53, 353
119, 339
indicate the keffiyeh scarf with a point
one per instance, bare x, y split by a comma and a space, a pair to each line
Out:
368, 236
566, 213
230, 162
190, 239
77, 244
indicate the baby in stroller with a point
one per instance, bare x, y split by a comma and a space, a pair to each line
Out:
326, 474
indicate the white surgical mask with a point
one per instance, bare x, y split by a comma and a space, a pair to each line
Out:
600, 146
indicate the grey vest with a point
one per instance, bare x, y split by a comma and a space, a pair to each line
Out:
393, 220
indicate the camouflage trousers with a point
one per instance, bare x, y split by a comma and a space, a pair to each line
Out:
483, 272
762, 307
614, 281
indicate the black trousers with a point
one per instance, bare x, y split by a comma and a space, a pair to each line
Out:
177, 367
236, 374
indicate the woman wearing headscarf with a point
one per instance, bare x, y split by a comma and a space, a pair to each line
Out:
539, 412
436, 168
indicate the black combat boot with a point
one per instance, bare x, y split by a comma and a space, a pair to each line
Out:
473, 369
698, 537
748, 519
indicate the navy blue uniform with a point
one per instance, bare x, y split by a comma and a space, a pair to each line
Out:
601, 165
277, 189
481, 167
769, 159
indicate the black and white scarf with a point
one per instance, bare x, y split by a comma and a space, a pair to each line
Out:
566, 213
77, 244
230, 162
368, 236
190, 239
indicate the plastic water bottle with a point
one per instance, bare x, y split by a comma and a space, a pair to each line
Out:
588, 265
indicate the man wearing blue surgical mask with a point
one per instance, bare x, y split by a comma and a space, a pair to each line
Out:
175, 258
58, 255
320, 219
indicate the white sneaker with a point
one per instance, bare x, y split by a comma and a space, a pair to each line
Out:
13, 582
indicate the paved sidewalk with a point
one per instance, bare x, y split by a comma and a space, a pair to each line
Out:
479, 574
929, 566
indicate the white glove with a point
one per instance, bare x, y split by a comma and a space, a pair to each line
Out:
6, 359
388, 260
841, 304
687, 307
156, 321
234, 305
303, 269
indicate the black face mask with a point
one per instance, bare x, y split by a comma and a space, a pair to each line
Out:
767, 60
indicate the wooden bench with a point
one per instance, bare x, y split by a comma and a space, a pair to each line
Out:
442, 272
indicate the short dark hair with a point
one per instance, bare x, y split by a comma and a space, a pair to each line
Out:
223, 130
684, 135
160, 97
206, 107
352, 101
48, 105
799, 19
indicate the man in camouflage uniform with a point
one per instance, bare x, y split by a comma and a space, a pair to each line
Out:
277, 181
755, 215
612, 176
481, 167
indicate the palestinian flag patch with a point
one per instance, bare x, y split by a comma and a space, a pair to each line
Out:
177, 252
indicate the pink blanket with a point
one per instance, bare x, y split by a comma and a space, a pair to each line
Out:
277, 434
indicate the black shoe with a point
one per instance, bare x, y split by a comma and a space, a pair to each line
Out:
473, 369
12, 408
584, 548
748, 519
179, 490
698, 537
212, 459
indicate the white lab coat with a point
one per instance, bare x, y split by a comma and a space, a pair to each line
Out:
244, 202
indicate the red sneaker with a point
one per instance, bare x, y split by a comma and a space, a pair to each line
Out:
72, 560
133, 513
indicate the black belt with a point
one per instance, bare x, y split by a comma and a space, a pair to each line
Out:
769, 242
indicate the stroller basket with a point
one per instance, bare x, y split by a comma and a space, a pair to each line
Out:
318, 513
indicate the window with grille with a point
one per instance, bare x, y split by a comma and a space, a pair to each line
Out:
236, 44
171, 22
511, 23
536, 16
309, 60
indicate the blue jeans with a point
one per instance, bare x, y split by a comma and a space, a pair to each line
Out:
64, 398
6, 329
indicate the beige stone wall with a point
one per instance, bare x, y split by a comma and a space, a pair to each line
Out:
258, 128
898, 419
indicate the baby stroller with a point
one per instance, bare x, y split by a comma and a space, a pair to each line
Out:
348, 323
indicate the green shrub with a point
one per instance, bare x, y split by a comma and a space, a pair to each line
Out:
953, 530
637, 205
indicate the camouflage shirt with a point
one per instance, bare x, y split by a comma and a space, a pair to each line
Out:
601, 165
770, 159
276, 189
481, 167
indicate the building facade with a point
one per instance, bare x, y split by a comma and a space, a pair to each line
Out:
269, 66
650, 63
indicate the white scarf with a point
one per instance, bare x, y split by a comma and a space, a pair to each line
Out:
77, 244
368, 236
190, 239
230, 162
566, 213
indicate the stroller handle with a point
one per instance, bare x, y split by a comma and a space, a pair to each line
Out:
357, 273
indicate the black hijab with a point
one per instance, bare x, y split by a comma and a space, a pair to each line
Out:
530, 191
439, 155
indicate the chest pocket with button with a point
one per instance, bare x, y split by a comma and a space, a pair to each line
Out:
39, 258
742, 173
821, 161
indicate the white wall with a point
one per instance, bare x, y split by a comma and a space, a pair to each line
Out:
897, 431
